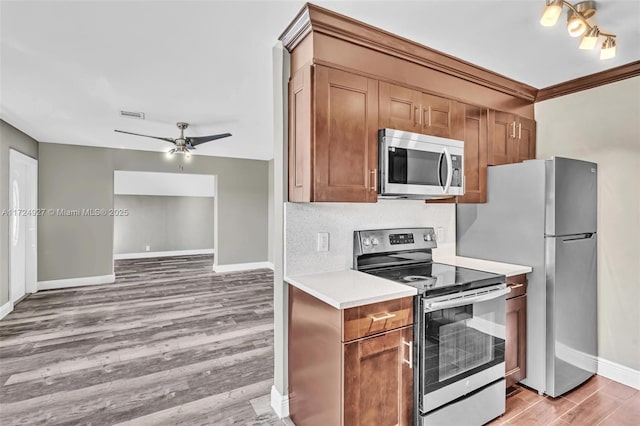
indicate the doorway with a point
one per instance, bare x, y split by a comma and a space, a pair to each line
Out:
23, 223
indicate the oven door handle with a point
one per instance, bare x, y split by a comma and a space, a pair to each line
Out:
462, 300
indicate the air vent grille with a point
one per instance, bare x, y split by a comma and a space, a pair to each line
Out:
132, 114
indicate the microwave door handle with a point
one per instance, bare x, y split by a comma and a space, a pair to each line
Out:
449, 170
440, 169
463, 301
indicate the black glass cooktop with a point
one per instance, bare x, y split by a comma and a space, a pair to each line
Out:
437, 278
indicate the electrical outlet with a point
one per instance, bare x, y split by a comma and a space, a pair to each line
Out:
323, 241
147, 248
440, 234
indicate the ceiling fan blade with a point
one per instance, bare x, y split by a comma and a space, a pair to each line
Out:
202, 139
147, 136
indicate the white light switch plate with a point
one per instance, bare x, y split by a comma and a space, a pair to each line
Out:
323, 241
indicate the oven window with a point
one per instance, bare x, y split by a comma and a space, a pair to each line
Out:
414, 167
458, 344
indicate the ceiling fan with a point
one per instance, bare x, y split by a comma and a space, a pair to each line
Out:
184, 145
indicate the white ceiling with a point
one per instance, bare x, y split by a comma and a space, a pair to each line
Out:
68, 67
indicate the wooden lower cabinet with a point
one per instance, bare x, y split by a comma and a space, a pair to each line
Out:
378, 380
334, 381
516, 331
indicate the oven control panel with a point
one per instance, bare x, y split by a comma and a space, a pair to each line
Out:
387, 240
401, 239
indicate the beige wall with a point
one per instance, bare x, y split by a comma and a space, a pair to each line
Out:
150, 220
77, 177
10, 138
603, 125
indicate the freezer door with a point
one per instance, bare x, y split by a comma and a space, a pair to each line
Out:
571, 205
571, 311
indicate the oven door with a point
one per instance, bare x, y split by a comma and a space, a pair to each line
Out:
419, 167
462, 344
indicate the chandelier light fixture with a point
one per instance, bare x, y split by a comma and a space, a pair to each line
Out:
578, 25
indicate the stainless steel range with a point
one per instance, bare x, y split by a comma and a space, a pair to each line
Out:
459, 326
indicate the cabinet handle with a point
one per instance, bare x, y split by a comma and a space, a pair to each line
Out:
417, 113
382, 317
519, 130
374, 172
429, 115
410, 360
513, 131
516, 285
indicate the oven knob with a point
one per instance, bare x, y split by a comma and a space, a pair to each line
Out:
374, 241
366, 242
427, 237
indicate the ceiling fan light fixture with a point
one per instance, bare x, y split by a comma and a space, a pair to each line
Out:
608, 50
590, 39
552, 12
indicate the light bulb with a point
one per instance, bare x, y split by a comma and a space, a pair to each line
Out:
551, 13
608, 50
576, 26
590, 39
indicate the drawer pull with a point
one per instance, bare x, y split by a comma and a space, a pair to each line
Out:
516, 285
382, 317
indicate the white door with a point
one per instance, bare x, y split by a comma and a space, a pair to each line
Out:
22, 225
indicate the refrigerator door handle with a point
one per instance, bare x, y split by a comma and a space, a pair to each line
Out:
586, 236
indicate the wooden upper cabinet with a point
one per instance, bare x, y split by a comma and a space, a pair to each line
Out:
378, 382
501, 136
475, 155
333, 136
526, 133
346, 136
300, 136
511, 138
399, 108
411, 110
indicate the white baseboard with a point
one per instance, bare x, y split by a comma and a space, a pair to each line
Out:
6, 309
242, 266
279, 403
76, 282
619, 373
145, 254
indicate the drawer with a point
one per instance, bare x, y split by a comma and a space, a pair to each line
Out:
376, 318
518, 284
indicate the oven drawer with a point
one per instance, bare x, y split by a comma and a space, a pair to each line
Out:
375, 318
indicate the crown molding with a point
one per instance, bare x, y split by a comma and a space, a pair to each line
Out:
316, 19
590, 81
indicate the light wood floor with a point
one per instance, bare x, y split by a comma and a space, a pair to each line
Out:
169, 343
599, 401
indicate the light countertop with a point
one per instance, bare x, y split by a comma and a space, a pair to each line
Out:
349, 288
506, 269
346, 289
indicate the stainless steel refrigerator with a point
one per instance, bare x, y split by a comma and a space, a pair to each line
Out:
543, 214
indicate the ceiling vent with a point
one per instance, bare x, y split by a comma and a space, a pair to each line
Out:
132, 114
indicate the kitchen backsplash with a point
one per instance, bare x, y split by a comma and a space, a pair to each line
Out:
303, 222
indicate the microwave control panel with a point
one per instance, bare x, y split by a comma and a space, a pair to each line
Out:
456, 163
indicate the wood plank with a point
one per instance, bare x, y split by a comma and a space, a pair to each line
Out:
169, 335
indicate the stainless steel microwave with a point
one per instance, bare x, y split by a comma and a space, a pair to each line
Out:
419, 166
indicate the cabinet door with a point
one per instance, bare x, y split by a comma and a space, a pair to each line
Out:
378, 382
346, 136
475, 155
441, 117
502, 142
516, 341
399, 108
526, 139
300, 135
